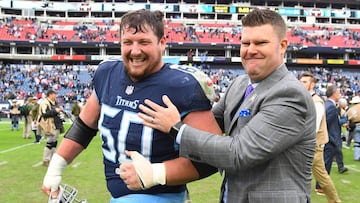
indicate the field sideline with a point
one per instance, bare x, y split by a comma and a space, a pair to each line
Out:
22, 173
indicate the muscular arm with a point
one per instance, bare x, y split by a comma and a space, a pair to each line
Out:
181, 170
72, 145
70, 149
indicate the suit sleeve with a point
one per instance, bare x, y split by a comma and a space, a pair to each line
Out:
278, 122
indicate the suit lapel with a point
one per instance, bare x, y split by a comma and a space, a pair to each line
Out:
238, 94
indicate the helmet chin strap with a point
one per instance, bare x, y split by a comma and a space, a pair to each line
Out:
67, 194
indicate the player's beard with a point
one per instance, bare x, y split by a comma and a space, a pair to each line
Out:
141, 66
137, 73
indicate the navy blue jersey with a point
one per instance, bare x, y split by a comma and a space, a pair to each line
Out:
120, 127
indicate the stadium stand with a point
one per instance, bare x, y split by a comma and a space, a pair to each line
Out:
50, 35
22, 30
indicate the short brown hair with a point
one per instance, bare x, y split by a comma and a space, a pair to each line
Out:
139, 18
258, 17
50, 92
310, 75
331, 90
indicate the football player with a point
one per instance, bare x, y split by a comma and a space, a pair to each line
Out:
120, 86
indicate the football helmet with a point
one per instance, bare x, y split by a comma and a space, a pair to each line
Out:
67, 194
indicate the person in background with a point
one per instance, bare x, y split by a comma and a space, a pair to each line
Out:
34, 112
27, 118
50, 109
120, 86
318, 169
333, 149
354, 118
268, 118
67, 110
343, 106
14, 115
351, 125
75, 110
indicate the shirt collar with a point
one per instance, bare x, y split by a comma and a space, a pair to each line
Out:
254, 85
332, 101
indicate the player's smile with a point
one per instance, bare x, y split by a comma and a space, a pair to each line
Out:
137, 61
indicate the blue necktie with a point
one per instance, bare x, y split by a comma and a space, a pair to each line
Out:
249, 89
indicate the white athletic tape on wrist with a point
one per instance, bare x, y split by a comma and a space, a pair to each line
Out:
52, 178
149, 174
159, 173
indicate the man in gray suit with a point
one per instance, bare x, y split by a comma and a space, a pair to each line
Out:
269, 145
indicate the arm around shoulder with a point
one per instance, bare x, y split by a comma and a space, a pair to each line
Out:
182, 170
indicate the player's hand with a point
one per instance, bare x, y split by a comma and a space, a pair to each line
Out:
49, 193
53, 176
141, 174
128, 174
158, 117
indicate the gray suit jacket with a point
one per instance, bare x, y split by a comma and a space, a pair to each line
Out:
269, 145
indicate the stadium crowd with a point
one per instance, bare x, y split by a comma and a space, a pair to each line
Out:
73, 82
12, 28
20, 81
321, 35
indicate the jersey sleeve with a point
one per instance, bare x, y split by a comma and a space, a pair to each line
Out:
206, 85
195, 88
101, 76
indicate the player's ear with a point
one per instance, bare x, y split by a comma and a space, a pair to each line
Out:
163, 43
283, 45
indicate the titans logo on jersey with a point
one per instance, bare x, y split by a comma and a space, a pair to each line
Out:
120, 127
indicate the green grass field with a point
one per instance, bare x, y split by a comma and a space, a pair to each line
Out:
21, 174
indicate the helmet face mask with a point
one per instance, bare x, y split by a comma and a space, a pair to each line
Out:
67, 194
